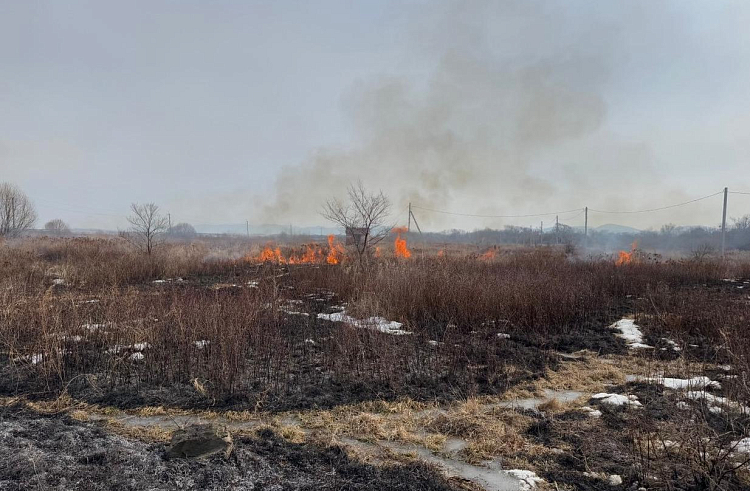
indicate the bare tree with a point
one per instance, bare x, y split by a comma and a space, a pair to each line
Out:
16, 211
57, 227
147, 226
362, 216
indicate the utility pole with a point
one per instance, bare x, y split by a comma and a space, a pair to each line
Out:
557, 229
408, 228
247, 228
724, 223
586, 227
541, 233
169, 217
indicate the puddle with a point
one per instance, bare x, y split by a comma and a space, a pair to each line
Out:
454, 445
490, 476
533, 403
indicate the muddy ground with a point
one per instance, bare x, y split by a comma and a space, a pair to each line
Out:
56, 452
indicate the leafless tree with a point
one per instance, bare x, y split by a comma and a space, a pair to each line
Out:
16, 211
363, 217
57, 227
147, 226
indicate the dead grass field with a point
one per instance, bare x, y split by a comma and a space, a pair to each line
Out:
497, 372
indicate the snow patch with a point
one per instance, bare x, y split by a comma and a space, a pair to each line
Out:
377, 323
701, 382
503, 335
617, 399
592, 413
631, 333
201, 343
528, 479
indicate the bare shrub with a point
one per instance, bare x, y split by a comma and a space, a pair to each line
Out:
57, 227
147, 226
363, 217
17, 213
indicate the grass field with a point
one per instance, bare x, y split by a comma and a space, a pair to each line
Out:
450, 369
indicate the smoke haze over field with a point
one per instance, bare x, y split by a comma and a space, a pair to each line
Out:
224, 111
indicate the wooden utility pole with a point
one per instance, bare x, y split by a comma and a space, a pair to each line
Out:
247, 228
541, 233
169, 217
724, 224
408, 227
586, 227
557, 229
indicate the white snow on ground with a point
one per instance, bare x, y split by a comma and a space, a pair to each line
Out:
137, 356
58, 281
700, 382
94, 327
503, 335
672, 344
715, 402
528, 479
202, 343
36, 358
119, 347
630, 332
742, 446
593, 413
617, 399
377, 323
294, 312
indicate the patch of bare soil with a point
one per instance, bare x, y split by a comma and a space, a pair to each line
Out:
57, 452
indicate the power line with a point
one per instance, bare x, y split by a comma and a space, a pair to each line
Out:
658, 209
498, 216
738, 192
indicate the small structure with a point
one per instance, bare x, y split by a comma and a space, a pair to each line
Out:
355, 235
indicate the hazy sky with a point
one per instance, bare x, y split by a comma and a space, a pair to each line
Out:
223, 111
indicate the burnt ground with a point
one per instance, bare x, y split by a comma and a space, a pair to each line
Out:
609, 444
56, 452
435, 363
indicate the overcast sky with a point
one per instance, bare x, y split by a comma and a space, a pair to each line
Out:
224, 111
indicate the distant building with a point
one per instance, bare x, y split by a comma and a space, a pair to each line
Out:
355, 235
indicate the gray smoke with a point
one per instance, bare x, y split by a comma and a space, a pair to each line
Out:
496, 126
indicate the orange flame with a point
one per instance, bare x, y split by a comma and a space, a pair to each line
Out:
312, 254
377, 251
335, 251
625, 257
400, 244
487, 256
441, 253
268, 254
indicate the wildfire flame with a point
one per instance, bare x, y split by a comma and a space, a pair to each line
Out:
335, 251
489, 255
625, 257
312, 254
441, 253
400, 244
273, 255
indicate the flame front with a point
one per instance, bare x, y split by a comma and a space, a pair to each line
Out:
400, 244
335, 251
625, 257
488, 256
312, 254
